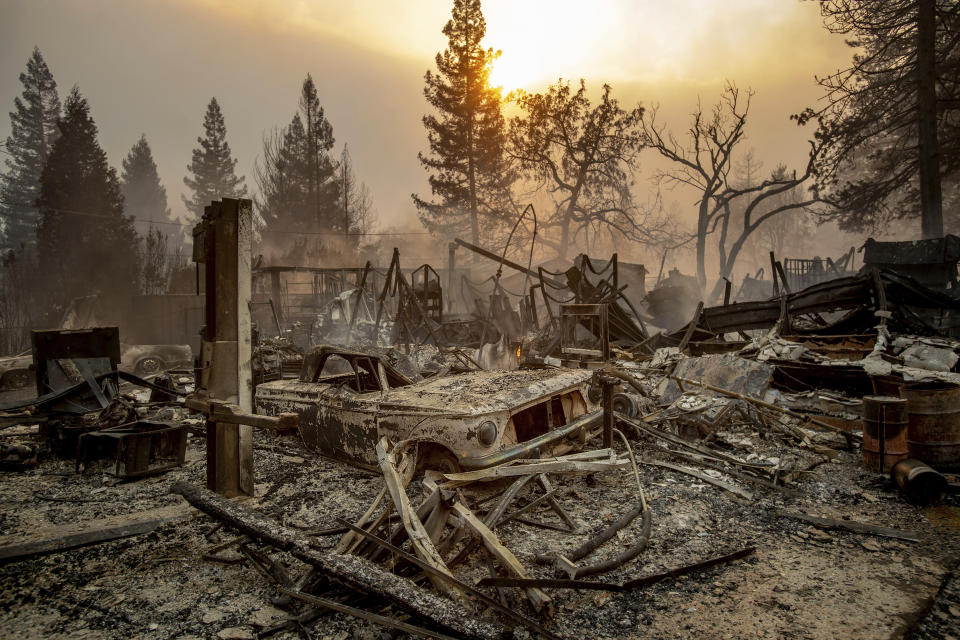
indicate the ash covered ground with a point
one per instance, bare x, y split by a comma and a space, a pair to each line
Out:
802, 582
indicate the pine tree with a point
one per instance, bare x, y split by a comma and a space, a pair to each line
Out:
281, 196
33, 129
470, 176
296, 178
212, 170
144, 198
889, 121
85, 242
322, 188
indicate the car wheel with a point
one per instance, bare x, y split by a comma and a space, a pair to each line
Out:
148, 366
437, 458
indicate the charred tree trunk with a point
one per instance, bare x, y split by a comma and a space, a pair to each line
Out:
929, 156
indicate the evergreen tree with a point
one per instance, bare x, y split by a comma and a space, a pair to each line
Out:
85, 242
33, 129
212, 170
297, 179
322, 189
889, 121
281, 189
470, 177
144, 198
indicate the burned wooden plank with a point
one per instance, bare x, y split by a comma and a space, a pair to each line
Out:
491, 543
419, 536
350, 571
852, 525
737, 491
365, 615
13, 548
525, 621
551, 466
566, 583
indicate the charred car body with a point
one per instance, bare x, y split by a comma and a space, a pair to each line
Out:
17, 372
348, 400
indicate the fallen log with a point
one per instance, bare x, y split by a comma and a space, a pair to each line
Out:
365, 615
351, 572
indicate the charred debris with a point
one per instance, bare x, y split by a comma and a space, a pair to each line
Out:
420, 451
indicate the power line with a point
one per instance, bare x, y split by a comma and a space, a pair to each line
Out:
101, 216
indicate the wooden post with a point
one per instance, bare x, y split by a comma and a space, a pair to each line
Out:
608, 416
451, 278
227, 344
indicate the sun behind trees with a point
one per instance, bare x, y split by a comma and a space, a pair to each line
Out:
471, 176
562, 149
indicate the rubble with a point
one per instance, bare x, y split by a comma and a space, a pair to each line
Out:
726, 479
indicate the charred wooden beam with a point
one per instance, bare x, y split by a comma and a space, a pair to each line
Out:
349, 571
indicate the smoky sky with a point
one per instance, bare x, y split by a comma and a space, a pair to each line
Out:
151, 67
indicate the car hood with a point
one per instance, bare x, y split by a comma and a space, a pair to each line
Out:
479, 392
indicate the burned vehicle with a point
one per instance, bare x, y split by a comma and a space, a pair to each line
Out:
17, 372
348, 400
148, 359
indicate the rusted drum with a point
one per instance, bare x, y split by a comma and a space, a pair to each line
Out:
919, 483
934, 432
884, 432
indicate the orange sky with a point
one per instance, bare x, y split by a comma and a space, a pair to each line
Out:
151, 67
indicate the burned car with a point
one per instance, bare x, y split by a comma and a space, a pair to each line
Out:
17, 372
148, 359
347, 400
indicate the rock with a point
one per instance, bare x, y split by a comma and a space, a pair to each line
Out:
235, 633
819, 534
602, 598
265, 616
212, 616
954, 610
871, 545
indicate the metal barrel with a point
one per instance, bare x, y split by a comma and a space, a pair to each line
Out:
884, 432
919, 483
933, 434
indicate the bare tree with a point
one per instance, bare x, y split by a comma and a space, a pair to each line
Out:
585, 156
155, 267
705, 163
